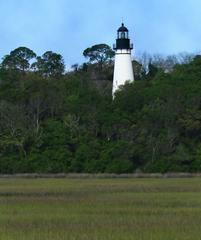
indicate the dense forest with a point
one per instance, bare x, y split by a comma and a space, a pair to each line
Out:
54, 121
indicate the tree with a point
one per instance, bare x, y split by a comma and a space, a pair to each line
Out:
153, 70
50, 64
18, 59
72, 125
138, 69
100, 53
13, 128
144, 59
75, 67
118, 157
52, 154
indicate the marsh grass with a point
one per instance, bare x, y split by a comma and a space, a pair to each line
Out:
100, 209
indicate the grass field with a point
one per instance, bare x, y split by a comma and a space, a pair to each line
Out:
100, 209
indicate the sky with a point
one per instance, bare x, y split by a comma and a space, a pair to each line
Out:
68, 27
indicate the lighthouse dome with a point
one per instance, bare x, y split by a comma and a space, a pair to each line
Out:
122, 28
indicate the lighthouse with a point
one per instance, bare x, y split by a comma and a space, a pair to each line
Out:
123, 68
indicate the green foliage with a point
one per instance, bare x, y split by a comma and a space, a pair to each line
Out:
100, 53
100, 66
51, 122
50, 64
118, 157
18, 59
51, 153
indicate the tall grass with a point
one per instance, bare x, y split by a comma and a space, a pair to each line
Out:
100, 209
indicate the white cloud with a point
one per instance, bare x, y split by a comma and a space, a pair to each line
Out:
68, 27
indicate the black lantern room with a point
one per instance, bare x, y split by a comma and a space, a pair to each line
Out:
123, 41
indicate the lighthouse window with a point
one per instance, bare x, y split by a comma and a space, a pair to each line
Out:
123, 35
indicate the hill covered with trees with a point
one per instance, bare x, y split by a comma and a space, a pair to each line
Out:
52, 121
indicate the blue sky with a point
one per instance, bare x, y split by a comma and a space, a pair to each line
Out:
68, 27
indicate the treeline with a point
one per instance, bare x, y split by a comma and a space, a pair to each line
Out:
52, 121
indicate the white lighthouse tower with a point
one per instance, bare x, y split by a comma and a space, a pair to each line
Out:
123, 69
